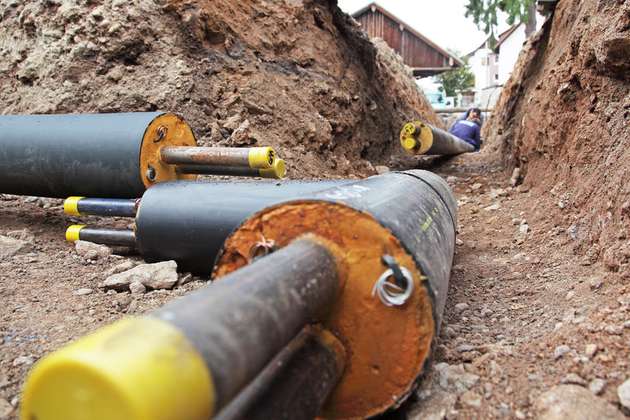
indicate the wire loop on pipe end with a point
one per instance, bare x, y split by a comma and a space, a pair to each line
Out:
390, 293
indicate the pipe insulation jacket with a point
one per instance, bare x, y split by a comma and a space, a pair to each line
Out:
418, 138
97, 155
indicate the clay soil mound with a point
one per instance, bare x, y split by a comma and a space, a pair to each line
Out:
564, 119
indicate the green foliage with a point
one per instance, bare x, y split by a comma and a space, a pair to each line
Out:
484, 12
458, 80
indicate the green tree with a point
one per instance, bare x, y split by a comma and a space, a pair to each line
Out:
457, 80
484, 12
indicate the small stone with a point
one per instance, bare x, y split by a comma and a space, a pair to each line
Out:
11, 246
614, 329
137, 288
23, 360
471, 399
569, 295
522, 189
476, 186
516, 177
596, 386
523, 228
462, 348
162, 275
124, 266
573, 378
6, 409
451, 179
493, 207
623, 392
573, 402
455, 377
92, 251
380, 169
83, 291
459, 242
486, 312
561, 351
590, 350
519, 415
596, 283
460, 307
183, 279
499, 192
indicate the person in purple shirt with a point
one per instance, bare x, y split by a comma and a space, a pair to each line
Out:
469, 129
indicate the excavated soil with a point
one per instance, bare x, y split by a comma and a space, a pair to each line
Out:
536, 299
296, 75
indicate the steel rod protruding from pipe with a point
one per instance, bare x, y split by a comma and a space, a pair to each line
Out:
251, 157
192, 356
111, 237
108, 207
277, 171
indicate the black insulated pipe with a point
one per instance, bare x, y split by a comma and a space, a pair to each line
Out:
255, 312
189, 221
94, 155
419, 138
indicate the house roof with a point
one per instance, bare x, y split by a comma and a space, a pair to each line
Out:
502, 37
407, 27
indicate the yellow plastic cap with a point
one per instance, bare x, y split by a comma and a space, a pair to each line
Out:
278, 171
134, 369
416, 137
71, 206
408, 143
73, 233
261, 157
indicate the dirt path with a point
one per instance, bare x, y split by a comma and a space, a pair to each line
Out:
524, 313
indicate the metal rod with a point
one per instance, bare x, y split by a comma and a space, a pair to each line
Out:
459, 110
112, 237
189, 358
297, 382
277, 171
251, 157
418, 138
108, 207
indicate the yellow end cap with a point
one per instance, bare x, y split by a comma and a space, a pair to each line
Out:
408, 129
73, 233
71, 206
134, 369
261, 157
408, 143
278, 171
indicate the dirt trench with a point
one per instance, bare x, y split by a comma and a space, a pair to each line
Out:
538, 312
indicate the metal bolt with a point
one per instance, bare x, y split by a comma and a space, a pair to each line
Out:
161, 134
151, 174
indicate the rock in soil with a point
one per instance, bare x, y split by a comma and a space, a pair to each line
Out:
83, 291
162, 275
623, 392
574, 402
11, 246
6, 409
597, 386
92, 251
137, 288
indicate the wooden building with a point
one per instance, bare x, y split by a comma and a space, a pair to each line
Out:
417, 51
